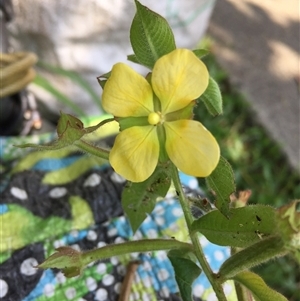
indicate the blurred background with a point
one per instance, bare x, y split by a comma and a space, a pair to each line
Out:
254, 57
88, 37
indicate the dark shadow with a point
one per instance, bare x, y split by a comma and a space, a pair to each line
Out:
246, 50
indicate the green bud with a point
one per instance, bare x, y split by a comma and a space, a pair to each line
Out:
288, 221
69, 128
67, 120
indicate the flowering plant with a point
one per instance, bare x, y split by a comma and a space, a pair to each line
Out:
157, 137
163, 107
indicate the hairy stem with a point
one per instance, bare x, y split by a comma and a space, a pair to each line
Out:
251, 256
194, 237
92, 149
144, 245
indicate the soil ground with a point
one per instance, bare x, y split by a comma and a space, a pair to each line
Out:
257, 43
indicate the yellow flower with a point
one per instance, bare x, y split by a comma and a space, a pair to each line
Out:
178, 78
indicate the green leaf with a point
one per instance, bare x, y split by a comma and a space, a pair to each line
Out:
251, 256
246, 225
212, 98
200, 53
186, 271
44, 83
150, 35
221, 183
132, 58
258, 287
138, 199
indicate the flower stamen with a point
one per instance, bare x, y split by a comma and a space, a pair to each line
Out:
154, 118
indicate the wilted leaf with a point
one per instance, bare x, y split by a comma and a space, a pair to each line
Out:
65, 258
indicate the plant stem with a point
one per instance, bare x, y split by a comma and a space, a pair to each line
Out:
144, 245
241, 292
255, 254
92, 149
194, 237
97, 126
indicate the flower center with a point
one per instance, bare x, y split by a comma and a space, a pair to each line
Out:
154, 118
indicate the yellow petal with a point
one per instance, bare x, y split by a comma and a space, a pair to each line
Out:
178, 78
135, 153
191, 147
126, 93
